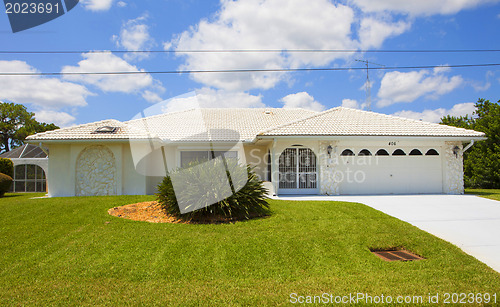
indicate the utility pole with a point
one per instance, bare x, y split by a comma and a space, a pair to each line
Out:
368, 84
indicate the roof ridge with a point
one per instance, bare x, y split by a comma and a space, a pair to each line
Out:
161, 114
298, 120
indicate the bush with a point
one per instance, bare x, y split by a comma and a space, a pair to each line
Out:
205, 192
7, 167
5, 183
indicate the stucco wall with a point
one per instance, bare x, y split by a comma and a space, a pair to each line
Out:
257, 156
133, 183
453, 169
328, 185
63, 167
61, 183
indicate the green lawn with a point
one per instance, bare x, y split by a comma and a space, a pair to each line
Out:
69, 251
487, 193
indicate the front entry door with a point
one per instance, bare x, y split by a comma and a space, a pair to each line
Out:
297, 171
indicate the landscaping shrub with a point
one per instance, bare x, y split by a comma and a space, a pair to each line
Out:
5, 183
200, 183
6, 167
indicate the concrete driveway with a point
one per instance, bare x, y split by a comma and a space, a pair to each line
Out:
470, 222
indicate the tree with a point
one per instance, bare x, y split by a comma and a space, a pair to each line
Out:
482, 161
16, 123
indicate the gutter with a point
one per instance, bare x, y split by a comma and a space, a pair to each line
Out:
374, 137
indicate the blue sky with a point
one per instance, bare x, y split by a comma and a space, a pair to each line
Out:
175, 25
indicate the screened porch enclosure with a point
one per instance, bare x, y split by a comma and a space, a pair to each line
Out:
29, 178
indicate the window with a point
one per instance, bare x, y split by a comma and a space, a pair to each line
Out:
29, 178
365, 152
382, 152
347, 152
205, 155
432, 152
399, 152
415, 152
191, 156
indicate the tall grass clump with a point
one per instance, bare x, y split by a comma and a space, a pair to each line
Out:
220, 189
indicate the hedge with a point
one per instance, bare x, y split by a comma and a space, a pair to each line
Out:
7, 167
5, 183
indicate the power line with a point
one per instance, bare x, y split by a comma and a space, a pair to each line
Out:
252, 51
243, 70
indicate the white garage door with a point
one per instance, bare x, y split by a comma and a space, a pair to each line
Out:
391, 174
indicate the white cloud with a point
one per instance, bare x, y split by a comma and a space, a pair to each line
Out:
211, 98
39, 91
265, 24
302, 100
151, 96
373, 32
134, 35
480, 87
397, 87
97, 5
353, 104
121, 4
434, 116
62, 119
421, 7
108, 62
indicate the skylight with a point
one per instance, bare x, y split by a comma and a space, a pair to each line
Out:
106, 129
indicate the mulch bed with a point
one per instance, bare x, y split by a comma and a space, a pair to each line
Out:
152, 212
149, 211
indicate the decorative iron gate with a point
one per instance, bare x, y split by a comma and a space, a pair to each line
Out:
297, 169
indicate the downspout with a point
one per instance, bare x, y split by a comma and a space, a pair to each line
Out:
468, 146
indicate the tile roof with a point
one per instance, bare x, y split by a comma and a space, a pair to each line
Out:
87, 132
342, 121
224, 124
244, 124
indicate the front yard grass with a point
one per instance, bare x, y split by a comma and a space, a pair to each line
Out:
486, 193
69, 251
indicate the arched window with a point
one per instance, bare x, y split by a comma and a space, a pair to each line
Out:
415, 152
29, 178
399, 152
432, 152
382, 152
365, 152
347, 152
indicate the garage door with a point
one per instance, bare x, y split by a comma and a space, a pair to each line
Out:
395, 171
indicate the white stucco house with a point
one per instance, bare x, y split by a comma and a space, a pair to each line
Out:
340, 151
